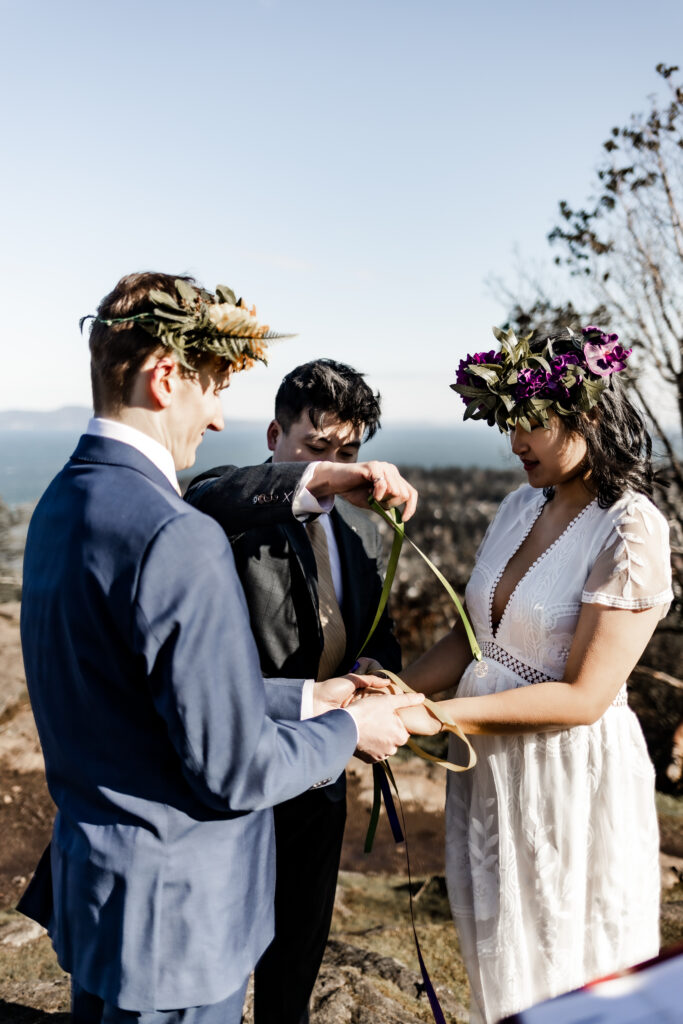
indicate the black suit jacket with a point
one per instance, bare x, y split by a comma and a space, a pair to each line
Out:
277, 568
275, 563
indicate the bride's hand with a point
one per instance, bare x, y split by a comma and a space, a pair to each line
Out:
419, 721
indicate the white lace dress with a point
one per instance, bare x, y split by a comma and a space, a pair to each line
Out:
551, 840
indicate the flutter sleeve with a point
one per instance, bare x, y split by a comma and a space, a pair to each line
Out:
633, 568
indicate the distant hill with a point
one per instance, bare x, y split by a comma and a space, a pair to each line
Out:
70, 417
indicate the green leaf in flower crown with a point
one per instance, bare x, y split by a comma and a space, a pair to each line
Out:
163, 299
187, 293
504, 422
472, 408
468, 391
536, 358
594, 388
485, 372
499, 335
524, 421
166, 314
226, 294
584, 401
512, 348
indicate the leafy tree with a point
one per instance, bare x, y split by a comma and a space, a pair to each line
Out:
627, 245
625, 250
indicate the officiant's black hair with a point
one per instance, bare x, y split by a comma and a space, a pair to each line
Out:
325, 386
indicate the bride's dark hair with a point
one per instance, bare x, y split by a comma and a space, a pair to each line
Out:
619, 447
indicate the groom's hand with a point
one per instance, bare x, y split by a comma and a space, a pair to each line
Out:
340, 691
358, 481
380, 730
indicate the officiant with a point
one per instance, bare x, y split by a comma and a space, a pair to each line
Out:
312, 587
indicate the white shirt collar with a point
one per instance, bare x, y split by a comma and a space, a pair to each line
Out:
156, 452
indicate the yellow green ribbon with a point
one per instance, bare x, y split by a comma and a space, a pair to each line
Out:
393, 517
447, 724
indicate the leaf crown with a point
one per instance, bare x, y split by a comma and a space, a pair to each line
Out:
520, 383
199, 323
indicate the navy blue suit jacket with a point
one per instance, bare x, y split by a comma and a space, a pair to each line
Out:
159, 750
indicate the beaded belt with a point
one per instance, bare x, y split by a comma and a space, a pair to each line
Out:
491, 650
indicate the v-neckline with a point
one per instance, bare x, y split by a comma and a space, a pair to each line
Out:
494, 586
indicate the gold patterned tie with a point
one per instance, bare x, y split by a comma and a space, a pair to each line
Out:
334, 631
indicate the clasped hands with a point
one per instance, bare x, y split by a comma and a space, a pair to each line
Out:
385, 717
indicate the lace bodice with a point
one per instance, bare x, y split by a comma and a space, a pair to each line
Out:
617, 557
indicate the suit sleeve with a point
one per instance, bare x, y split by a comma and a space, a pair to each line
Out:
192, 629
283, 697
239, 498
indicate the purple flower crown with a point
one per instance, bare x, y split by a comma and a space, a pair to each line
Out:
517, 385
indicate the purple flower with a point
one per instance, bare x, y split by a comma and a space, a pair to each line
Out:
555, 386
605, 357
586, 331
485, 357
529, 383
463, 375
561, 362
541, 383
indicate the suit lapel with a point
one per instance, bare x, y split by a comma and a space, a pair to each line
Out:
304, 562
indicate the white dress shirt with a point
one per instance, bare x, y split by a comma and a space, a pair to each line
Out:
155, 451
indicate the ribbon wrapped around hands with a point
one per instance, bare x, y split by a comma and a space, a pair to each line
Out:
393, 518
448, 725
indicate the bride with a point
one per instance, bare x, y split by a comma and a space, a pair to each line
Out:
552, 843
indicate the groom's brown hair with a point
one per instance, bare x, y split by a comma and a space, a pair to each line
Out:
117, 351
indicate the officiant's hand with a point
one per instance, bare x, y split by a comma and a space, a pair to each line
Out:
373, 668
356, 481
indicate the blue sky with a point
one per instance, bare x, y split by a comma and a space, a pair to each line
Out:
357, 169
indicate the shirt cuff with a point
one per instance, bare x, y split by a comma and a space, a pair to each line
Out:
303, 503
307, 699
307, 705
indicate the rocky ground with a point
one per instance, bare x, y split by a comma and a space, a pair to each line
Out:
370, 971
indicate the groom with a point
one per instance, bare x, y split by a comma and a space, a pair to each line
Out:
164, 747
